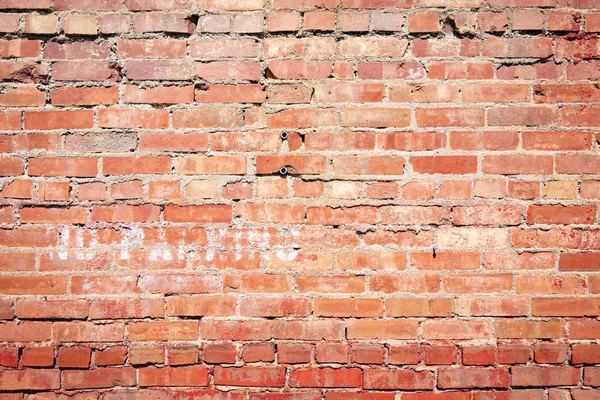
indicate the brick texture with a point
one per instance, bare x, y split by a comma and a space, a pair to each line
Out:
299, 199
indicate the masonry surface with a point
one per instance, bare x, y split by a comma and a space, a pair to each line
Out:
435, 237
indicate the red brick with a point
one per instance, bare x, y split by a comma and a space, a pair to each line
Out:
137, 5
309, 330
274, 307
525, 116
71, 215
468, 378
423, 93
529, 72
15, 285
146, 354
217, 165
37, 357
74, 357
479, 355
193, 376
367, 354
206, 118
579, 261
19, 48
378, 329
526, 329
76, 50
88, 332
398, 380
159, 70
528, 20
561, 215
348, 307
30, 379
115, 355
172, 22
493, 306
373, 47
544, 376
444, 164
551, 140
454, 329
585, 353
9, 356
326, 377
52, 309
114, 23
319, 21
136, 165
75, 167
577, 49
448, 47
425, 22
487, 215
438, 117
183, 354
350, 21
477, 283
294, 353
10, 120
583, 329
18, 189
54, 191
452, 3
216, 353
22, 97
250, 376
99, 378
174, 142
518, 47
85, 71
9, 23
141, 48
553, 238
110, 5
133, 118
492, 21
48, 120
125, 213
518, 164
117, 309
375, 117
159, 95
283, 21
390, 70
331, 352
29, 237
236, 330
258, 352
437, 396
551, 353
29, 142
250, 93
481, 93
489, 189
441, 354
514, 354
11, 166
460, 70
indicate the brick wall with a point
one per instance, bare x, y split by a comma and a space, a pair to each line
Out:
435, 238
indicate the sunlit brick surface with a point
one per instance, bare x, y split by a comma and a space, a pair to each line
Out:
432, 236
